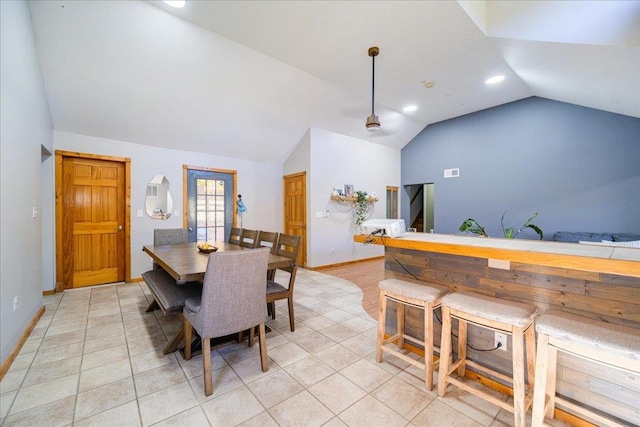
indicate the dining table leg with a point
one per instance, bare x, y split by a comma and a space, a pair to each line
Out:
188, 333
173, 345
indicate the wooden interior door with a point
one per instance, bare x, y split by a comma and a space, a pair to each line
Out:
92, 215
295, 210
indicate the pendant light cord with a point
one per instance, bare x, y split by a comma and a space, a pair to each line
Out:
373, 81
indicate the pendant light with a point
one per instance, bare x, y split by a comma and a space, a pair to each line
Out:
373, 124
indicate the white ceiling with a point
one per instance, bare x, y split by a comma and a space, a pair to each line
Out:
247, 79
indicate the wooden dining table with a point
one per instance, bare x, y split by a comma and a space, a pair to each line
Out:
186, 263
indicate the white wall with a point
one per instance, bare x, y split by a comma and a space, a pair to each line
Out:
25, 128
48, 219
336, 160
299, 160
259, 183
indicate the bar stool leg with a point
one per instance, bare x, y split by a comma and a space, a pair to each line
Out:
518, 377
445, 350
400, 322
428, 345
530, 342
539, 392
382, 318
552, 368
462, 347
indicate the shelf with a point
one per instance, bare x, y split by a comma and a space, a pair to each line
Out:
352, 199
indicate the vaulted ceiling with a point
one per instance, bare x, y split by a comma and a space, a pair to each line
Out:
247, 79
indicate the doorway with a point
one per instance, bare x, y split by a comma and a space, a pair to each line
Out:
295, 210
421, 206
209, 203
92, 220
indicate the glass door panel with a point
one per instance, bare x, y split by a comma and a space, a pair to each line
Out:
210, 201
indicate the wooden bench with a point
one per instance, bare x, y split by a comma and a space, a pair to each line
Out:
168, 295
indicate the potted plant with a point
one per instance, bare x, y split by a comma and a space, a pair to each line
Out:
472, 226
362, 207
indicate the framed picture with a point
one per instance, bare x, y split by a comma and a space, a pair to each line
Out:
348, 190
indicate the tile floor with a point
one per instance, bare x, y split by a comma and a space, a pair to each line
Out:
95, 358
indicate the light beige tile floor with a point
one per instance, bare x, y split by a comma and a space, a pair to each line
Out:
95, 358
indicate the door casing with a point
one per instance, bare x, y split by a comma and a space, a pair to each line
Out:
185, 181
60, 155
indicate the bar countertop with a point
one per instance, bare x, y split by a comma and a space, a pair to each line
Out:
584, 257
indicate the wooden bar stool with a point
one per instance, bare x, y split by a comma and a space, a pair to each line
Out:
503, 316
426, 297
603, 343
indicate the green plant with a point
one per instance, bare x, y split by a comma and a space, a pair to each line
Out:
472, 226
362, 207
508, 232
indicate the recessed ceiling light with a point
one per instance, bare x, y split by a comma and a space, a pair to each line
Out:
493, 80
175, 3
409, 108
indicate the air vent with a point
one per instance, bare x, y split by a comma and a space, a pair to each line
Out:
452, 173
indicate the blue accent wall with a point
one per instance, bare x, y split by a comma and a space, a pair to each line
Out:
578, 167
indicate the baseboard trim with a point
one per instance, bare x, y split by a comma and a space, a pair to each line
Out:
16, 350
499, 387
54, 291
342, 264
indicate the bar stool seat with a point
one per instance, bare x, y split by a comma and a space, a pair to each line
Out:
603, 343
509, 317
427, 297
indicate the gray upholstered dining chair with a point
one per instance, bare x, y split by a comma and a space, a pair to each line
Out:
169, 236
249, 238
288, 246
232, 300
165, 236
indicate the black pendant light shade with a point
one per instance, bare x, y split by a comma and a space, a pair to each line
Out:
373, 123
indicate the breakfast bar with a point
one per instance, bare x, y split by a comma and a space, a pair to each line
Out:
600, 282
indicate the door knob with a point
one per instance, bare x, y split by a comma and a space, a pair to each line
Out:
190, 229
119, 228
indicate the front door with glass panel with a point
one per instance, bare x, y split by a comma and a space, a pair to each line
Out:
210, 198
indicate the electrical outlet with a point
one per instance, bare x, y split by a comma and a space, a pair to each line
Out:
15, 303
501, 339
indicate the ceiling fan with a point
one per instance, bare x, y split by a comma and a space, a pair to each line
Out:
393, 120
373, 123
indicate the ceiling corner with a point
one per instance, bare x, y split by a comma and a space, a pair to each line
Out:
477, 11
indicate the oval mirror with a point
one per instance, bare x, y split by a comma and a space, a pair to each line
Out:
158, 203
